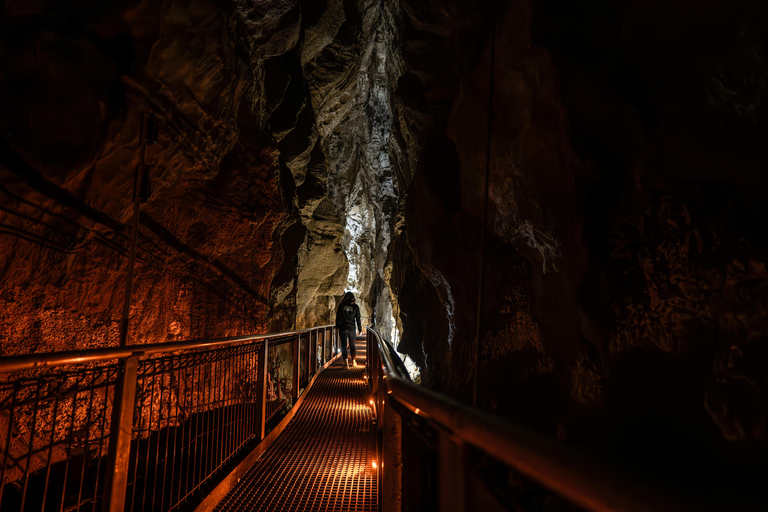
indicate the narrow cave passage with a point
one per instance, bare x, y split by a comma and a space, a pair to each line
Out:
307, 147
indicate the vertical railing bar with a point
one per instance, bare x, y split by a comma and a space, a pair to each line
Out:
8, 439
224, 383
218, 422
225, 393
169, 373
210, 439
192, 433
234, 443
31, 443
175, 430
184, 415
295, 366
233, 402
227, 431
308, 361
262, 375
311, 355
228, 385
149, 435
139, 429
208, 394
241, 387
247, 366
222, 431
50, 448
85, 444
69, 445
248, 370
238, 388
198, 419
184, 444
254, 390
122, 429
242, 357
244, 391
101, 440
159, 432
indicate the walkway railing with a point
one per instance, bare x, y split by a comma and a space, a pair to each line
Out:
438, 454
146, 427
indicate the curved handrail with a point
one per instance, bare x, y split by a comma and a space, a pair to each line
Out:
32, 361
552, 464
222, 397
392, 361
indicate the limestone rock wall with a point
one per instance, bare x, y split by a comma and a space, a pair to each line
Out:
76, 81
624, 293
343, 159
272, 175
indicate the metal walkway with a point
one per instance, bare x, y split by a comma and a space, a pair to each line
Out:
323, 460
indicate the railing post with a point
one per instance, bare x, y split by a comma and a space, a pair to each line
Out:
451, 472
314, 351
391, 467
310, 356
296, 368
325, 346
119, 456
317, 363
261, 386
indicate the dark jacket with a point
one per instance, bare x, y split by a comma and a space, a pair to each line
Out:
347, 315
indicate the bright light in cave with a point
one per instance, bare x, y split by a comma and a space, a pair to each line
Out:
357, 223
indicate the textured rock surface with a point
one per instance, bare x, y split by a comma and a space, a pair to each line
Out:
266, 148
311, 146
75, 85
624, 297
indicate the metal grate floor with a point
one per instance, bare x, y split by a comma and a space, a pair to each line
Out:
323, 460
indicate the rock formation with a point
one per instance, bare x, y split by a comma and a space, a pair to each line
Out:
308, 147
624, 284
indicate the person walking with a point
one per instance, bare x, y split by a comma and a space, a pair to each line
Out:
347, 318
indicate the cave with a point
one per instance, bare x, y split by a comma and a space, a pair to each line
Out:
557, 210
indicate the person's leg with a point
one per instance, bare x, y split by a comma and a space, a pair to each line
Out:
343, 343
353, 348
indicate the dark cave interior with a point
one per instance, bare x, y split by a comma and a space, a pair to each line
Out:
308, 147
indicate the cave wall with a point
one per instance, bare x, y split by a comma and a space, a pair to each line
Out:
271, 174
624, 292
348, 166
76, 81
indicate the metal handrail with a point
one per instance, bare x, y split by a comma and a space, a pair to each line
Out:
553, 465
10, 364
169, 424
